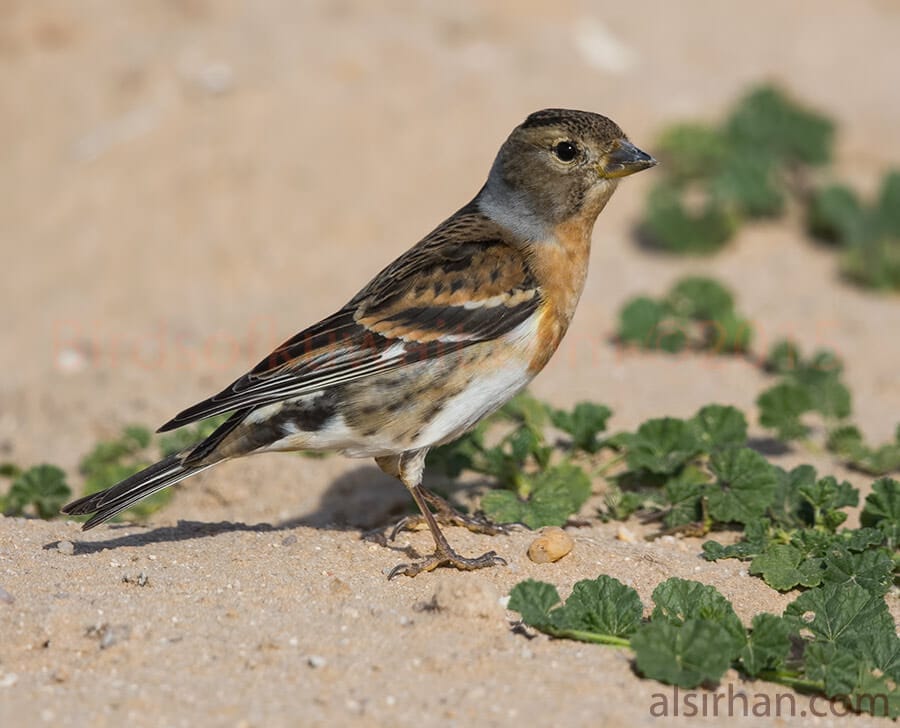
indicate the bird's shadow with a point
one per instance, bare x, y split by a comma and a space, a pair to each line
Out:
364, 500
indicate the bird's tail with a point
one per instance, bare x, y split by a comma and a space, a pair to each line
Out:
107, 503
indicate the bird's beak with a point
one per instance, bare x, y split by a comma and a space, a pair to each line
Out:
625, 159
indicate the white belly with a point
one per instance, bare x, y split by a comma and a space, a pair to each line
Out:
484, 395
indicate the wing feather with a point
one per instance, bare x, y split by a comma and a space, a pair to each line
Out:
446, 293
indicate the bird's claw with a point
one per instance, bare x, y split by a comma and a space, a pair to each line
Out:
447, 557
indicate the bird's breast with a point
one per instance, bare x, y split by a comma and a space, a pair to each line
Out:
560, 266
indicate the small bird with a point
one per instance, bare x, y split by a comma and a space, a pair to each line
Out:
438, 340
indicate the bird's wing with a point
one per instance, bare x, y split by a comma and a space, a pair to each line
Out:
461, 285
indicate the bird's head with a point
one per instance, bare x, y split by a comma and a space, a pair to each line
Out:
557, 165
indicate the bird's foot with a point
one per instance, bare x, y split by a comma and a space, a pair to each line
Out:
447, 515
445, 556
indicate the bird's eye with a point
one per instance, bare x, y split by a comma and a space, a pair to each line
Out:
565, 151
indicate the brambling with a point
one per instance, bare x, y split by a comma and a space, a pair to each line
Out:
438, 340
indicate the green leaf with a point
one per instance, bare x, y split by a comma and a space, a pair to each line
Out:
813, 542
583, 423
684, 492
871, 569
825, 496
768, 120
110, 452
784, 357
137, 434
878, 461
875, 263
507, 461
43, 486
114, 460
784, 567
621, 504
527, 410
883, 651
846, 441
603, 606
639, 320
882, 504
840, 614
750, 182
788, 508
671, 225
680, 600
831, 398
691, 151
729, 334
745, 487
767, 646
680, 654
457, 456
555, 494
875, 694
823, 363
882, 509
700, 298
780, 409
836, 668
861, 539
889, 205
719, 427
534, 600
756, 540
851, 677
835, 215
662, 446
504, 506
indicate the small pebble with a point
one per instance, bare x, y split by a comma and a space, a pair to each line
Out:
623, 534
289, 540
66, 547
550, 546
6, 597
316, 661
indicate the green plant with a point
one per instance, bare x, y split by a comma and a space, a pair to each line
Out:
697, 313
868, 235
814, 386
539, 485
714, 178
42, 489
836, 640
113, 460
805, 385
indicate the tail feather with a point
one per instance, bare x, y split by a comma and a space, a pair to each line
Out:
107, 503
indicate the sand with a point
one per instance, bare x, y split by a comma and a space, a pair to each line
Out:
186, 184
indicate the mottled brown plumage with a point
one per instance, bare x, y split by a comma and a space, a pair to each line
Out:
439, 339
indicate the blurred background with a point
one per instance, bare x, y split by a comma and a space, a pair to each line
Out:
186, 183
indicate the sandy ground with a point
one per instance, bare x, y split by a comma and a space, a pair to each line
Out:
185, 183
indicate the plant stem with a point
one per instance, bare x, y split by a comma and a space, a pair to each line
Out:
791, 680
583, 636
608, 465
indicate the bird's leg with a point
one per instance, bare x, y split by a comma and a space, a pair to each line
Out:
409, 469
443, 554
446, 515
